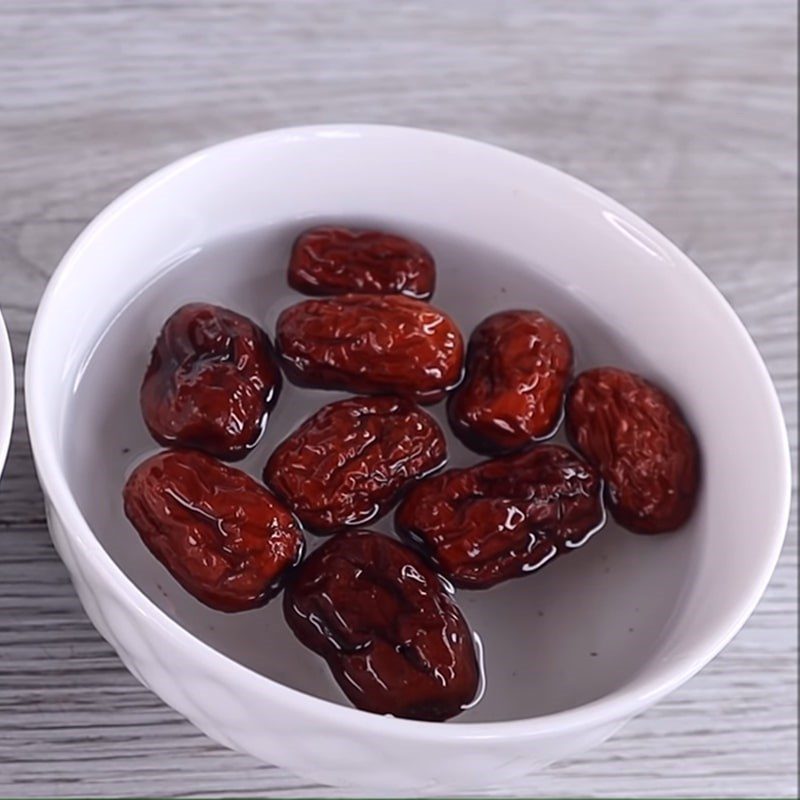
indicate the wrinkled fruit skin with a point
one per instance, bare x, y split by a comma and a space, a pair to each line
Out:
222, 536
347, 463
637, 437
329, 260
518, 366
211, 382
393, 638
506, 517
371, 344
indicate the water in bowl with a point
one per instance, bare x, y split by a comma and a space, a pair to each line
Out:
559, 638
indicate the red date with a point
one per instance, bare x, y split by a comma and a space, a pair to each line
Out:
347, 463
221, 535
506, 517
330, 260
393, 638
518, 365
371, 344
211, 382
639, 440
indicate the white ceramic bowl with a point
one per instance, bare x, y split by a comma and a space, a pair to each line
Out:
670, 605
6, 393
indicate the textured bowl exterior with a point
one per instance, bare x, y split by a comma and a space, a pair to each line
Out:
258, 723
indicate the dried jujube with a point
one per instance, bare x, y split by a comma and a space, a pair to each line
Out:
505, 517
222, 536
348, 462
371, 344
391, 634
336, 260
211, 382
517, 368
639, 440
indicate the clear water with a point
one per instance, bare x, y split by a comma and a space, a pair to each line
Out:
559, 638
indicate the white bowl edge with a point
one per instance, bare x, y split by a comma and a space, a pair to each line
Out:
7, 392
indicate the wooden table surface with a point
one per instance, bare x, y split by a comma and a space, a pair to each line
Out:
685, 112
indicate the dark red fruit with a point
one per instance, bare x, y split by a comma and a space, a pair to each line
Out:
518, 366
211, 382
506, 517
331, 260
393, 638
346, 464
371, 344
222, 536
637, 437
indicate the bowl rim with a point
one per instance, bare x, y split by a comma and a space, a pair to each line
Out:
619, 704
7, 392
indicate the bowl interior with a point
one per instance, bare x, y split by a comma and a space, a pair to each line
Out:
506, 232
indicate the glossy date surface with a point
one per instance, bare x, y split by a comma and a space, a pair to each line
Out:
211, 382
348, 462
517, 368
392, 636
637, 437
335, 260
505, 517
371, 344
222, 536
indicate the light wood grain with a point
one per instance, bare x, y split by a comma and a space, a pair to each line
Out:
685, 112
